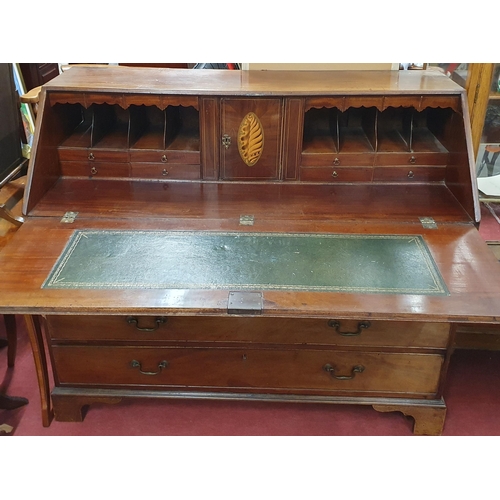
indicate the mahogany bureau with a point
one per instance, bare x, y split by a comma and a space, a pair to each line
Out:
268, 236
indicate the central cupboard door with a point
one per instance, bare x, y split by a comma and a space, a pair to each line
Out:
251, 139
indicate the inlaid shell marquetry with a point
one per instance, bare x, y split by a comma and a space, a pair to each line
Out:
250, 139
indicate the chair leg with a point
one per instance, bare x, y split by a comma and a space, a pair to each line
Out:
494, 159
6, 214
484, 161
11, 329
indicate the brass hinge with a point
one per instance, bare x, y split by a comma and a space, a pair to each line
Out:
428, 222
69, 217
246, 220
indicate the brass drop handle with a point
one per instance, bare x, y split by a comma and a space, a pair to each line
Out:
362, 325
93, 170
411, 175
91, 157
413, 160
136, 364
164, 159
355, 369
131, 320
335, 174
336, 161
164, 172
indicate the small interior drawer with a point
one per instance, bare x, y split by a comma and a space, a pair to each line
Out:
92, 154
336, 174
94, 169
165, 171
409, 173
166, 156
411, 159
337, 160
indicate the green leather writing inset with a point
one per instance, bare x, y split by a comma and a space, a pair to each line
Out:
247, 261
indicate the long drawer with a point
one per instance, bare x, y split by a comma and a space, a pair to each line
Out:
249, 329
223, 368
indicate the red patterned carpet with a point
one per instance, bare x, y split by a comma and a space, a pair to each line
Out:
489, 228
471, 395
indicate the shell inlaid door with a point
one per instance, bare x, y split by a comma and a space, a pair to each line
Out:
250, 139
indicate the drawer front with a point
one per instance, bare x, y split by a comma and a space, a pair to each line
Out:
336, 174
94, 169
409, 173
161, 157
165, 171
417, 158
337, 160
249, 330
92, 154
249, 369
72, 154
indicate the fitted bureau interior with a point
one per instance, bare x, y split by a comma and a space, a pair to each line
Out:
110, 127
411, 148
366, 144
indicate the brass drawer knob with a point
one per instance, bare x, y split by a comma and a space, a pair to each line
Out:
136, 364
335, 174
164, 159
91, 157
413, 160
355, 369
336, 161
93, 170
362, 325
164, 172
411, 175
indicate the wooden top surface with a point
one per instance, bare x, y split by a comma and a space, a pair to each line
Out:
273, 202
228, 82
